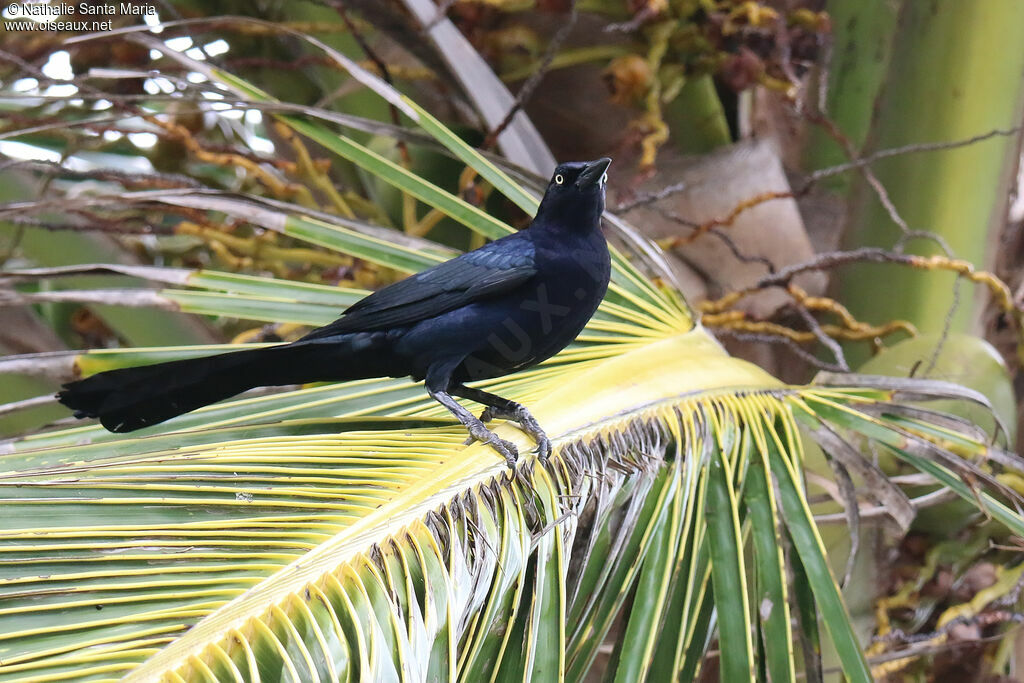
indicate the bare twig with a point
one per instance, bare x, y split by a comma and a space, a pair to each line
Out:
854, 164
906, 149
526, 91
900, 245
947, 325
645, 198
877, 255
730, 218
819, 117
827, 341
719, 234
810, 358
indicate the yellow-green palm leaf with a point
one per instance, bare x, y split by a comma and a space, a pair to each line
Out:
381, 547
345, 532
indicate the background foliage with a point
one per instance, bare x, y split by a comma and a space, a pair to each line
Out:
236, 176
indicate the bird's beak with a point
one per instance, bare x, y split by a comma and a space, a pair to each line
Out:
592, 173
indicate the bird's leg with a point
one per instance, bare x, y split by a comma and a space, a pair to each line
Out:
507, 410
476, 428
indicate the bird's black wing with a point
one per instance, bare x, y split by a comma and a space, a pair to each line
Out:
492, 269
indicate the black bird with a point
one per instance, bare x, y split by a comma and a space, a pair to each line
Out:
506, 306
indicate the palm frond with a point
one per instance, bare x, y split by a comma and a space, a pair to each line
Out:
322, 544
344, 532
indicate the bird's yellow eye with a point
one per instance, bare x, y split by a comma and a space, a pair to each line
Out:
559, 179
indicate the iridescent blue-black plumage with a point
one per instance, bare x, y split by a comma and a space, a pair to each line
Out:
508, 305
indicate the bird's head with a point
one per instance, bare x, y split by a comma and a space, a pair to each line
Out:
575, 196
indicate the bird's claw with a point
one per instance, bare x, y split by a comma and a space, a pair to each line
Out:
507, 449
521, 416
543, 446
530, 425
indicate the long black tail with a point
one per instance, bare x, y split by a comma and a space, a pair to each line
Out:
132, 398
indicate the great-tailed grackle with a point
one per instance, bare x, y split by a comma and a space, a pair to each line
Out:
503, 307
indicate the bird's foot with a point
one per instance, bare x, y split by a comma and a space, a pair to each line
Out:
518, 413
531, 427
507, 449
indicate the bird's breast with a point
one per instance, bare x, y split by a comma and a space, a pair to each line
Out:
546, 313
